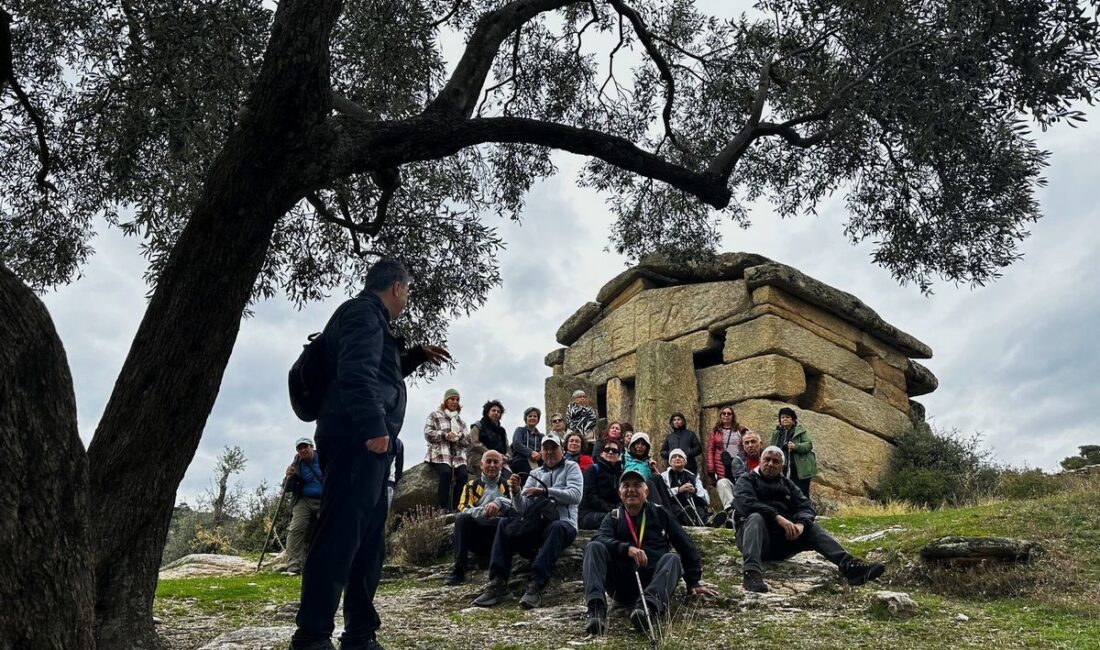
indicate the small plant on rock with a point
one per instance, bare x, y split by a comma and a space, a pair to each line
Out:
422, 536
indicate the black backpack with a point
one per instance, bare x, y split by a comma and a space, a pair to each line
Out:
309, 379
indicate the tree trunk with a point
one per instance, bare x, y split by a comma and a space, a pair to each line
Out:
153, 422
46, 566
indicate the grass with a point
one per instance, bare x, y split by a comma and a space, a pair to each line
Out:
1054, 603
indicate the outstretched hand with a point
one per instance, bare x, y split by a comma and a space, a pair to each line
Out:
701, 591
436, 354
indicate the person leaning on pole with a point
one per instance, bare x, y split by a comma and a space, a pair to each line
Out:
303, 480
357, 426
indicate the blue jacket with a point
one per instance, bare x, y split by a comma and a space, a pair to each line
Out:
307, 482
367, 396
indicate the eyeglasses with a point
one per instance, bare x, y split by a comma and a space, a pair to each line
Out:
612, 451
556, 420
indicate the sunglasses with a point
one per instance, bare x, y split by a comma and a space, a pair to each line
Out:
557, 420
612, 450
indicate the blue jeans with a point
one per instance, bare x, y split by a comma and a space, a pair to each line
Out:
545, 546
349, 544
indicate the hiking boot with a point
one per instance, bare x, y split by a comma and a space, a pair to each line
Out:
640, 620
323, 644
597, 618
857, 572
370, 643
492, 593
532, 598
457, 577
719, 519
754, 582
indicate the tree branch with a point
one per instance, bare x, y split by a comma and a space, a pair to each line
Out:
459, 96
727, 158
450, 14
7, 76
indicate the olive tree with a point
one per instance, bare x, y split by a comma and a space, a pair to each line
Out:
256, 148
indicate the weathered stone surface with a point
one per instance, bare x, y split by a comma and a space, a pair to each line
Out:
555, 358
768, 295
892, 395
964, 551
840, 303
627, 367
655, 315
916, 412
623, 280
559, 393
665, 384
620, 401
895, 604
416, 488
870, 346
557, 369
628, 292
919, 380
772, 335
849, 460
769, 376
887, 372
760, 310
203, 565
578, 323
724, 266
253, 638
830, 396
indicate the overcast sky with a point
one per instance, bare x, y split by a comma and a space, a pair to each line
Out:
1016, 359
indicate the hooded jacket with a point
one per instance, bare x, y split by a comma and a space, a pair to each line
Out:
640, 465
682, 438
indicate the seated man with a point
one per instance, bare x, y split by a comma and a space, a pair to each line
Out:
747, 462
533, 534
484, 500
775, 521
687, 491
601, 486
634, 543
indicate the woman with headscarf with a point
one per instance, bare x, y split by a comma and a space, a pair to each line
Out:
448, 439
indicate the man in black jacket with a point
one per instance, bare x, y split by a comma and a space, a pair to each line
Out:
634, 543
601, 486
360, 417
775, 521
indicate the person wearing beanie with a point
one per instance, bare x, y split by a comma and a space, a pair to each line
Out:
687, 490
681, 437
526, 442
448, 438
488, 431
792, 438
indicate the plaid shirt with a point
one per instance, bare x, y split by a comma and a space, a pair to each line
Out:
441, 450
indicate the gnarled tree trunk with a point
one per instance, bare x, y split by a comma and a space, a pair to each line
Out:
44, 528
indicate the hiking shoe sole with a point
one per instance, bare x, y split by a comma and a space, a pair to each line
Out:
873, 572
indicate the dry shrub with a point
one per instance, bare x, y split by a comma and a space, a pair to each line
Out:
874, 509
422, 536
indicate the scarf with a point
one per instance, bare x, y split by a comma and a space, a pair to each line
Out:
455, 425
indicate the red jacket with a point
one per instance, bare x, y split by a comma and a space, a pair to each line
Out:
716, 445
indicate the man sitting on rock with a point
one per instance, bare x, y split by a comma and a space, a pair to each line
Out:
601, 485
775, 521
484, 500
633, 544
545, 524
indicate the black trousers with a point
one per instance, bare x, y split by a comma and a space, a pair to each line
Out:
590, 520
451, 482
760, 542
602, 574
473, 535
543, 546
349, 543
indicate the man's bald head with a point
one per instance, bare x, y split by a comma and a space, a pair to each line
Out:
491, 463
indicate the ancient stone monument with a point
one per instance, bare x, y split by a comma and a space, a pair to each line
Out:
742, 330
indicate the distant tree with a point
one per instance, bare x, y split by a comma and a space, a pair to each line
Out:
1089, 455
254, 151
222, 499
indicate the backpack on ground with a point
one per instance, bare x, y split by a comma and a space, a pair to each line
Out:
309, 379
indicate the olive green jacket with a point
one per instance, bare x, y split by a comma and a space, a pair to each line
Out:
803, 456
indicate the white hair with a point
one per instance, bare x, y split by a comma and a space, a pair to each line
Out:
577, 393
773, 450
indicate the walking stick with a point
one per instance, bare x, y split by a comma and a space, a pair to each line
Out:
645, 606
274, 518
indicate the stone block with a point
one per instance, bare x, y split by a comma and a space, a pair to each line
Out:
768, 376
620, 282
555, 358
416, 489
849, 460
578, 323
892, 395
887, 372
627, 367
655, 315
556, 370
724, 266
620, 401
869, 346
665, 384
840, 303
833, 397
919, 380
775, 296
772, 335
916, 412
760, 310
631, 290
559, 393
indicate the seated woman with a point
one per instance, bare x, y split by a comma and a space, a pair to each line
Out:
574, 450
526, 442
488, 431
637, 457
447, 437
601, 486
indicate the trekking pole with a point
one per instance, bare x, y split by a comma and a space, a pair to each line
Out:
271, 531
645, 606
698, 517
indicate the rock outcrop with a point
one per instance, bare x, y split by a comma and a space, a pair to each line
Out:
742, 330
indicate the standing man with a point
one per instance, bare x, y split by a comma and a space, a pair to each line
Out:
357, 428
638, 538
303, 480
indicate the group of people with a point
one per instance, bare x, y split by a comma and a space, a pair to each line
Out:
640, 550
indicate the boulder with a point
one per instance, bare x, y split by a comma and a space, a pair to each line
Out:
559, 393
665, 384
969, 551
204, 565
772, 335
555, 358
655, 315
916, 412
769, 376
724, 266
416, 488
620, 401
919, 380
894, 604
840, 303
577, 324
833, 397
849, 460
839, 327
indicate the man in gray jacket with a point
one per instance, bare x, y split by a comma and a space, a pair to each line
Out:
554, 489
